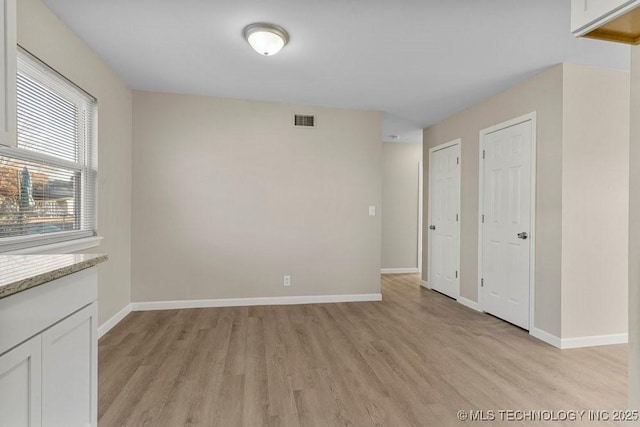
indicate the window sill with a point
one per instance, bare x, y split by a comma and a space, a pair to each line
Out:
68, 246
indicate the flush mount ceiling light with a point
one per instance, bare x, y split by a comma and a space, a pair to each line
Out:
266, 39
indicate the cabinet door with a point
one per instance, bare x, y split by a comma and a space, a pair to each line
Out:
69, 371
20, 385
8, 60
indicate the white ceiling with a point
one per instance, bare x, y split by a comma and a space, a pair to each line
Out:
419, 61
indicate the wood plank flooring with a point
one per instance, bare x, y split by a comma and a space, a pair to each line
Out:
414, 359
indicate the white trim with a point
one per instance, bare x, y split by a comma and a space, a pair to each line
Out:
420, 212
578, 342
432, 150
546, 337
67, 246
37, 157
117, 318
425, 284
242, 302
15, 243
594, 341
471, 304
407, 270
532, 227
532, 220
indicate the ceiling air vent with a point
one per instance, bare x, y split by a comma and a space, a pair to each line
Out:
304, 121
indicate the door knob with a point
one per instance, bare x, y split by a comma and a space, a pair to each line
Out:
432, 227
523, 235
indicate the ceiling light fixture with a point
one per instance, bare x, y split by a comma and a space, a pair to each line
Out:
266, 39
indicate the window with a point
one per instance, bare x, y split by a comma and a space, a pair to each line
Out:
48, 182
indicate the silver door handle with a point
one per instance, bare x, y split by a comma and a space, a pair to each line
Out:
432, 227
523, 235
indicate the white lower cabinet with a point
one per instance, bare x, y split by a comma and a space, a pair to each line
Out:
48, 354
20, 385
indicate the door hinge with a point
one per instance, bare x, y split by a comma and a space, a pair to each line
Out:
482, 283
483, 218
456, 274
457, 160
457, 218
483, 154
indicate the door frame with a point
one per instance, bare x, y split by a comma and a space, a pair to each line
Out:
453, 143
420, 213
532, 209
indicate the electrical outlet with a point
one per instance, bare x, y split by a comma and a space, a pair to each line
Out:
287, 280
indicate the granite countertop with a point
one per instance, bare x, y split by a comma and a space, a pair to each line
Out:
21, 272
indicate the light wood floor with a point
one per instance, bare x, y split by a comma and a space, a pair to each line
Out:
414, 359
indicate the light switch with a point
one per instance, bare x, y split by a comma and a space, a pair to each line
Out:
372, 211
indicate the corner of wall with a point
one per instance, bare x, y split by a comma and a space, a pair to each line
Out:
594, 186
634, 234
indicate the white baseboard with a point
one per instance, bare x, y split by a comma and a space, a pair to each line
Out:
594, 341
231, 302
408, 270
579, 342
546, 337
117, 318
425, 284
468, 303
240, 302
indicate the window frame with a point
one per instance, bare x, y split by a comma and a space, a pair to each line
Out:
87, 164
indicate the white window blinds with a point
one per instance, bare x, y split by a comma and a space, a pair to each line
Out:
48, 183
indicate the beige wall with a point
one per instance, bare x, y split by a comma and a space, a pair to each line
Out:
595, 201
400, 170
542, 94
45, 36
634, 234
228, 197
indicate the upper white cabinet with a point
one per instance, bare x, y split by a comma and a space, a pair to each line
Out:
8, 52
585, 12
614, 20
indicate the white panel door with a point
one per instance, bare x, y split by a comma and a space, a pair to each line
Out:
506, 202
69, 371
444, 199
20, 385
